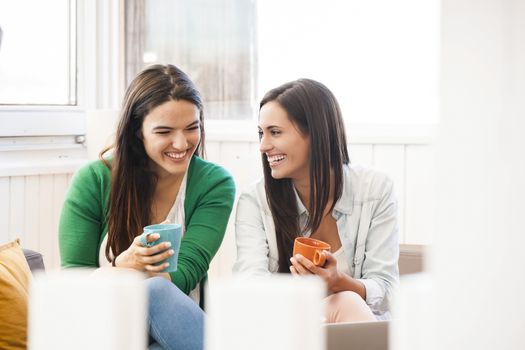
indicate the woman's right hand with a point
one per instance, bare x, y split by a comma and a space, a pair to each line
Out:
143, 258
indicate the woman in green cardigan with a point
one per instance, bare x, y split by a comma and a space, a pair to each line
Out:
155, 174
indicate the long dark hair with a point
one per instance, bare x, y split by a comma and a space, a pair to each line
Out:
315, 111
132, 181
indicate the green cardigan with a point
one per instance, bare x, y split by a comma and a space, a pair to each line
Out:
210, 192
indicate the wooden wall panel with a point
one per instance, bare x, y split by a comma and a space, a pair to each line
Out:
30, 214
46, 220
234, 157
4, 209
361, 154
391, 160
420, 194
213, 151
69, 179
254, 164
17, 208
60, 185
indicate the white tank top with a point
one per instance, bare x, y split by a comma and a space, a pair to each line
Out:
342, 261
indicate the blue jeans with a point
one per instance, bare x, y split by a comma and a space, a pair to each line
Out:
175, 321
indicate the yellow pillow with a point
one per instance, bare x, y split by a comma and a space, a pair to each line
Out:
14, 293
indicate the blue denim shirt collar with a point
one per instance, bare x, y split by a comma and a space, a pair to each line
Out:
343, 205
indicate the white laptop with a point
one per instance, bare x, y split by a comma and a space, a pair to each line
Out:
357, 335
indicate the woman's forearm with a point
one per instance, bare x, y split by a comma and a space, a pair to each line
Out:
347, 283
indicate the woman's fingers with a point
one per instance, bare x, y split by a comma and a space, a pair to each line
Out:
152, 259
156, 268
150, 238
307, 264
299, 266
159, 253
147, 258
157, 248
136, 241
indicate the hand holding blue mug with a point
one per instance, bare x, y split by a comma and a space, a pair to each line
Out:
167, 233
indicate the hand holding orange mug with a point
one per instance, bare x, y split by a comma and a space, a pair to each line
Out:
312, 249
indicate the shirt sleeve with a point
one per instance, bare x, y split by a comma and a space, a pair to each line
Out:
250, 236
205, 230
380, 273
81, 221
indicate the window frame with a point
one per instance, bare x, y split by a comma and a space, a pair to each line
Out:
98, 83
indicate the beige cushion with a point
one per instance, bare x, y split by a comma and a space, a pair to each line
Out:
14, 287
411, 258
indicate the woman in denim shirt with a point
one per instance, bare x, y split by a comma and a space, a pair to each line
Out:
310, 189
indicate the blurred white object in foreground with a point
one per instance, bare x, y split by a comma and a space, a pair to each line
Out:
478, 255
280, 312
77, 309
412, 326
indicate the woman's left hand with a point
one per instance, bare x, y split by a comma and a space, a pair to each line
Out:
328, 272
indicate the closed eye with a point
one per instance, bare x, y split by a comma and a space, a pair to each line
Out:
273, 132
195, 125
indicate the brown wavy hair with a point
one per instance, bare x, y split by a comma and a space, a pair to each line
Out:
313, 108
132, 181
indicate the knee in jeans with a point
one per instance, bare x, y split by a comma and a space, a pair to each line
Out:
157, 286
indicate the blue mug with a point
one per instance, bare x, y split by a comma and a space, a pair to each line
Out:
168, 233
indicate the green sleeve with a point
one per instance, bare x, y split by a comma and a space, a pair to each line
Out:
82, 219
213, 195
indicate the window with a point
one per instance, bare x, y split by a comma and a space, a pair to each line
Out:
380, 58
213, 41
70, 63
37, 53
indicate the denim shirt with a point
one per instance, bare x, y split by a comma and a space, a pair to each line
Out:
366, 216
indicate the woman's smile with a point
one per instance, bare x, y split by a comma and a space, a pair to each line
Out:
176, 156
276, 160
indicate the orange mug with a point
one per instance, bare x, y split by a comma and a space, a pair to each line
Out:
312, 249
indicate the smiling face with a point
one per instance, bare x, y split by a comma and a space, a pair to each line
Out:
171, 133
285, 147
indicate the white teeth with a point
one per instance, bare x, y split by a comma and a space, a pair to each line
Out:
276, 158
176, 155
